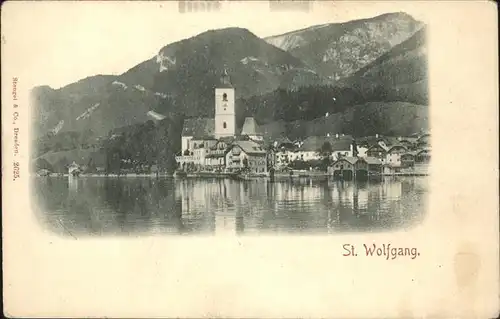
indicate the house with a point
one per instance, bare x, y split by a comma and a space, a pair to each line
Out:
283, 142
315, 147
344, 168
423, 156
284, 151
198, 148
215, 160
368, 141
393, 155
377, 151
423, 141
216, 154
246, 154
201, 142
361, 150
374, 165
283, 157
408, 159
73, 169
184, 158
196, 127
309, 149
341, 148
348, 168
391, 140
364, 143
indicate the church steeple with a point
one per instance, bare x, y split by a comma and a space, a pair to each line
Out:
225, 79
225, 120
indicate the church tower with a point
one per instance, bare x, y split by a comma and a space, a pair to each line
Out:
225, 119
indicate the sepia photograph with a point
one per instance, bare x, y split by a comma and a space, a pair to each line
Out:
322, 129
250, 159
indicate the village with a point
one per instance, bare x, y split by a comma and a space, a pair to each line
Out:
217, 147
340, 156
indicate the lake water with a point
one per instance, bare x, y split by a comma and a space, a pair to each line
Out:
107, 206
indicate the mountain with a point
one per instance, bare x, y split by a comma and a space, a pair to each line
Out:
95, 104
401, 74
387, 96
338, 50
360, 77
103, 102
195, 65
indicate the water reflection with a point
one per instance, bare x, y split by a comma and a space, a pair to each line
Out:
107, 206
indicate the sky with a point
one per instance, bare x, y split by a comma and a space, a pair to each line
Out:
58, 43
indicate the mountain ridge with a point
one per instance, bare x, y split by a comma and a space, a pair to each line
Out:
267, 79
345, 47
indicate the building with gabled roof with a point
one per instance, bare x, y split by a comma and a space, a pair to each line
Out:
283, 142
196, 128
394, 153
350, 167
247, 155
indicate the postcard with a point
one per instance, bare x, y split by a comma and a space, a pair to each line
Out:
250, 159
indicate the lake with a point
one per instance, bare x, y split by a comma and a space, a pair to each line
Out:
109, 206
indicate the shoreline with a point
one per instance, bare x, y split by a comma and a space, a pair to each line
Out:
230, 176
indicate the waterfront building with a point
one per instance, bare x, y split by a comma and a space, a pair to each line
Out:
423, 156
374, 165
316, 147
345, 167
393, 155
408, 159
355, 167
378, 151
73, 169
246, 154
198, 129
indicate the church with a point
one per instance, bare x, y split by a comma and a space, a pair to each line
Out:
205, 141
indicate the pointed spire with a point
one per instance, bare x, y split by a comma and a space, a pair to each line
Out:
225, 79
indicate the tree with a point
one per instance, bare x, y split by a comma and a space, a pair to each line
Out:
326, 149
354, 149
91, 168
325, 163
